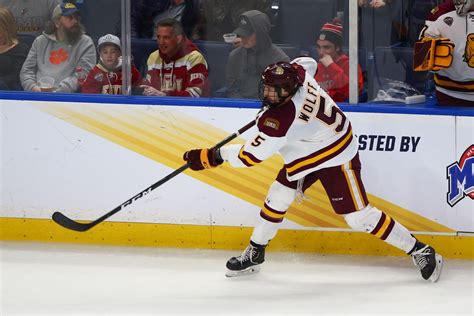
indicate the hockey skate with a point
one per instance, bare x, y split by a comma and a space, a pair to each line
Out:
248, 262
429, 262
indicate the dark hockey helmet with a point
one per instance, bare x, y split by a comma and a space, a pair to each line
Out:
283, 77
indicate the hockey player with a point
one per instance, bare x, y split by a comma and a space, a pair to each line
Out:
302, 123
106, 76
446, 47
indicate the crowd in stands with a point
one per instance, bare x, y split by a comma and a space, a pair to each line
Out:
62, 56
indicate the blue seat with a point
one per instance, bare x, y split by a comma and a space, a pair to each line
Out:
301, 20
28, 39
141, 49
291, 51
216, 55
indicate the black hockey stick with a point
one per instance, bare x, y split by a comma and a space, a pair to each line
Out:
66, 222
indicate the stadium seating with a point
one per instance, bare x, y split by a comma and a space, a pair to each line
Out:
216, 54
141, 49
28, 39
291, 51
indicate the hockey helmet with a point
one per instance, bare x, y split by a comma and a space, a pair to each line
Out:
284, 78
463, 6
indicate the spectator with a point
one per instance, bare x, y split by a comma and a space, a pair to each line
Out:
222, 16
382, 23
177, 68
58, 52
416, 12
247, 62
106, 76
12, 52
333, 64
146, 14
454, 22
31, 15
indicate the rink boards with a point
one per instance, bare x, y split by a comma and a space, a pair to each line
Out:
84, 159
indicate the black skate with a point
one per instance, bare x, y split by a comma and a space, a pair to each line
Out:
429, 262
248, 262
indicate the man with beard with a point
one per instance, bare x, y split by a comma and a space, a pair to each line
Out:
62, 49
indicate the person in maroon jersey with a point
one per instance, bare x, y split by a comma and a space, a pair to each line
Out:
106, 76
333, 64
452, 22
177, 68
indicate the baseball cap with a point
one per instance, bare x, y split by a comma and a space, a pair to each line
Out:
332, 32
64, 9
107, 40
245, 28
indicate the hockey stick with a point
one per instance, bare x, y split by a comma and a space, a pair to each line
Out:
68, 223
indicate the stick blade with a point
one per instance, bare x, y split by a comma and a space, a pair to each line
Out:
68, 223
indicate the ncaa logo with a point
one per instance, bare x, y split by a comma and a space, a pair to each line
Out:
461, 178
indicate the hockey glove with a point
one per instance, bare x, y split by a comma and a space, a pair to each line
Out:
199, 159
433, 54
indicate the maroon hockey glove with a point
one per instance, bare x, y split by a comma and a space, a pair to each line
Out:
199, 159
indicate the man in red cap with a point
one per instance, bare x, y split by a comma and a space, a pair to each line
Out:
333, 65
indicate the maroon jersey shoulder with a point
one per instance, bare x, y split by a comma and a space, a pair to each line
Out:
275, 122
443, 8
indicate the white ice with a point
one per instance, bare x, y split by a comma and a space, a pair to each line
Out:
62, 279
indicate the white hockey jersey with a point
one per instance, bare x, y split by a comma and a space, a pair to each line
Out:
309, 131
458, 80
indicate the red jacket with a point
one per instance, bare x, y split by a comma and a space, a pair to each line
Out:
335, 78
102, 81
185, 74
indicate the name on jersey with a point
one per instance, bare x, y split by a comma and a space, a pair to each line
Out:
388, 143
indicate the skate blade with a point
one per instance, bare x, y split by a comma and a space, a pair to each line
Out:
248, 271
437, 271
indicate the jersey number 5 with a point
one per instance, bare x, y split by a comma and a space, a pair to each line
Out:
331, 115
327, 113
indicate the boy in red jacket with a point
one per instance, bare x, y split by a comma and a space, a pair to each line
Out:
106, 76
333, 64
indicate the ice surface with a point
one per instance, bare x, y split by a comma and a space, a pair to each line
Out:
61, 279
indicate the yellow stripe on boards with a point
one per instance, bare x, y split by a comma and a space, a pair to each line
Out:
410, 220
222, 237
178, 132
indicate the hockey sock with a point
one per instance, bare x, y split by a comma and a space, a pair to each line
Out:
379, 224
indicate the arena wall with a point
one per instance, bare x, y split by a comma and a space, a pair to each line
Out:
86, 158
